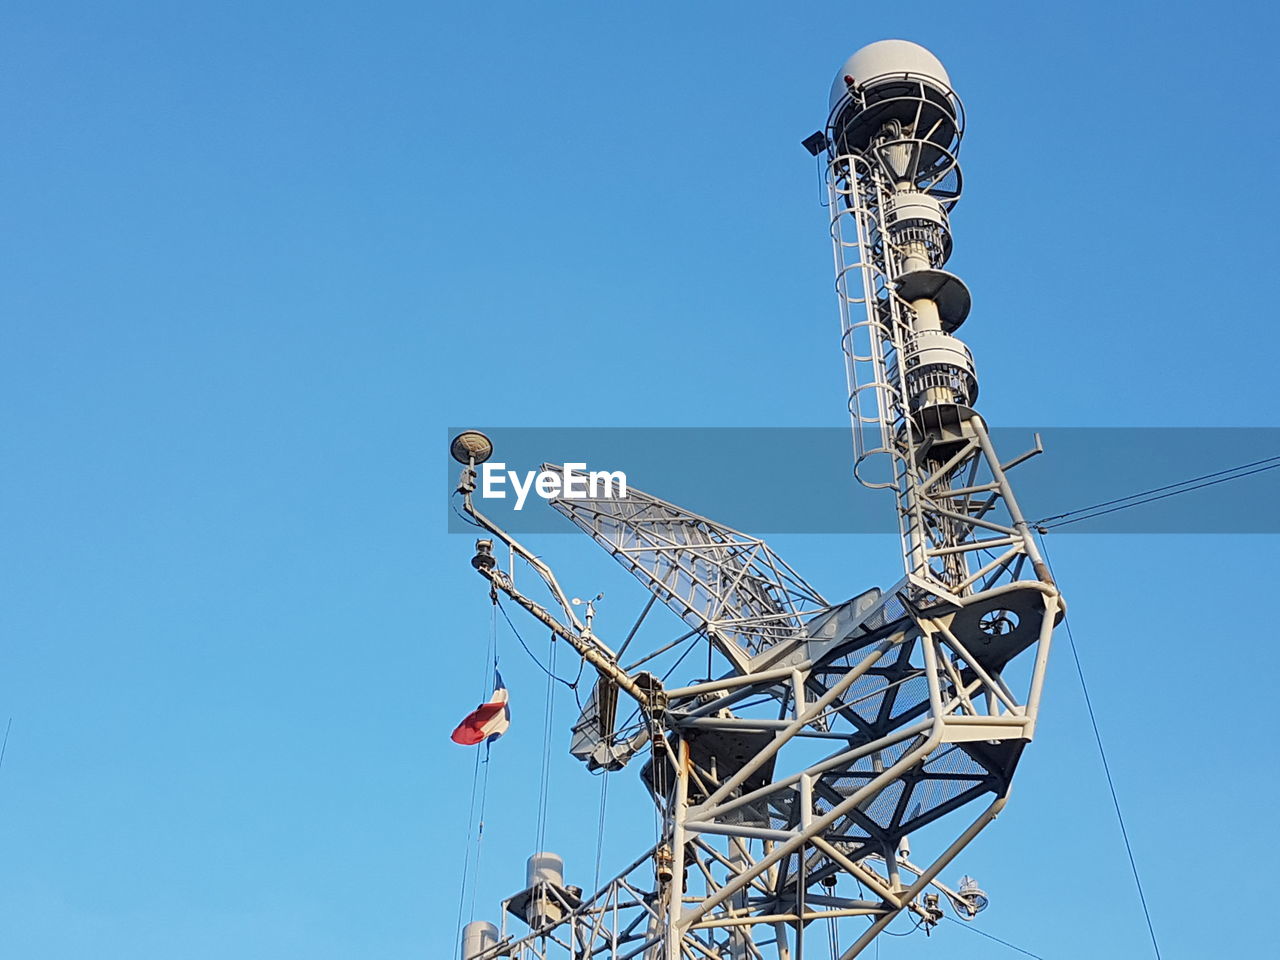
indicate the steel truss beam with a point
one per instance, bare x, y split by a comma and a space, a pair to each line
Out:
919, 722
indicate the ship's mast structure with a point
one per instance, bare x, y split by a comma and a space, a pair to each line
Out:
789, 784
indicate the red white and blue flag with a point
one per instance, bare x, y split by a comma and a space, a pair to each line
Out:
487, 722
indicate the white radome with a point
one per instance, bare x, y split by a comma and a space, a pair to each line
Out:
888, 57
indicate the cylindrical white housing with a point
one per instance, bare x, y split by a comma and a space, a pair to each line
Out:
545, 873
930, 347
545, 868
911, 205
940, 371
912, 217
477, 937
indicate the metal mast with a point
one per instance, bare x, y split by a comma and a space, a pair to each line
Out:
893, 177
789, 784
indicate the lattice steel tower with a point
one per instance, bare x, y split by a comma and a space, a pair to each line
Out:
789, 784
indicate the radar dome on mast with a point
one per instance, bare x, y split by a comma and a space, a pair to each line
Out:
888, 58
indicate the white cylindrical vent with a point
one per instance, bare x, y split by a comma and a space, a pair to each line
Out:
477, 937
546, 890
918, 228
546, 868
939, 370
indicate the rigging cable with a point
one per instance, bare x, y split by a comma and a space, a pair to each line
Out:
627, 724
532, 656
604, 796
1148, 496
688, 650
983, 933
466, 846
904, 933
467, 872
484, 792
464, 517
544, 787
1106, 767
5, 746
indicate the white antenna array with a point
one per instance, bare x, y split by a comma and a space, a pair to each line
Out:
789, 786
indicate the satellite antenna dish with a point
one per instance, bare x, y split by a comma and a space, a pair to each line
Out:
471, 447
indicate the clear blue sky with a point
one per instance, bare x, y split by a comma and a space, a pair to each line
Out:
257, 256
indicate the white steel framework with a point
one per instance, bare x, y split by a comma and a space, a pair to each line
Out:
789, 786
